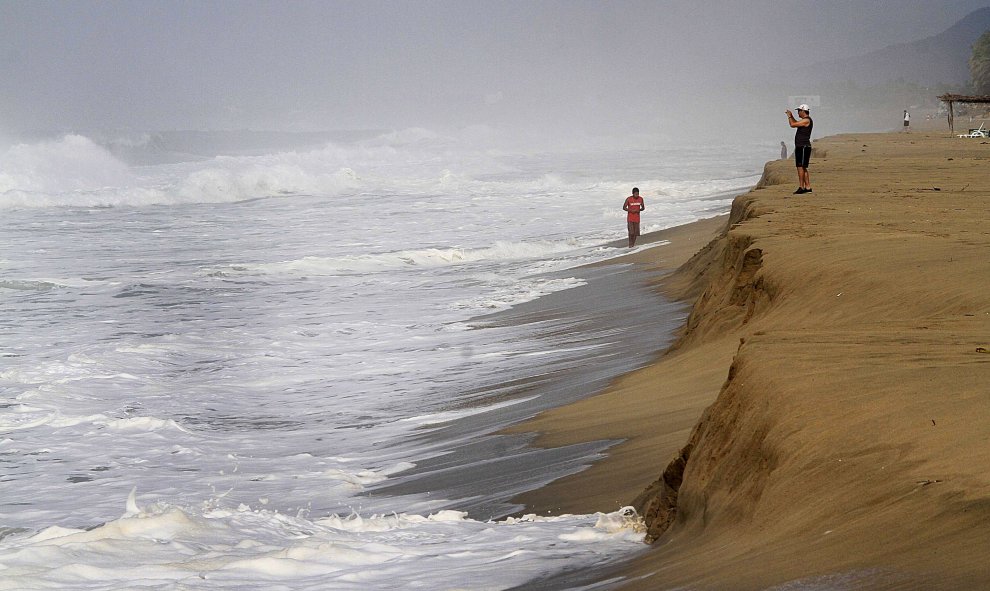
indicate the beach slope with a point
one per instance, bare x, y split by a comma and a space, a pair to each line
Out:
823, 420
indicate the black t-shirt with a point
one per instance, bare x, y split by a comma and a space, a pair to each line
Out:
802, 137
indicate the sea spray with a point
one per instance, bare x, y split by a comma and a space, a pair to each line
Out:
269, 343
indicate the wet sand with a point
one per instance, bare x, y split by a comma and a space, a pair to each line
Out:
615, 414
576, 341
829, 396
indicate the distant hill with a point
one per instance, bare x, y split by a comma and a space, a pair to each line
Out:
939, 60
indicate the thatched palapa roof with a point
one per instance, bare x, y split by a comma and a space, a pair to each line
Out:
950, 99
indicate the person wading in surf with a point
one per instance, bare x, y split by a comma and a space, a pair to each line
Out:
633, 206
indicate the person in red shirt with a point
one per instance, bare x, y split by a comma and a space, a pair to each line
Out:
633, 205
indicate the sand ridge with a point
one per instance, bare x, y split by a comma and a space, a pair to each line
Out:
830, 391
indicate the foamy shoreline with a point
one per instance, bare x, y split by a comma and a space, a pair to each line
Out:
840, 337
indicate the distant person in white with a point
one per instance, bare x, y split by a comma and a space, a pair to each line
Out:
907, 119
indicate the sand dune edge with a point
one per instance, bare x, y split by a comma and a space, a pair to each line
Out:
824, 418
850, 439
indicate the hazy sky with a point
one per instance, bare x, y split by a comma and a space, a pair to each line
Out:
366, 64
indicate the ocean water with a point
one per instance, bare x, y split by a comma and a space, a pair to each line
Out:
270, 362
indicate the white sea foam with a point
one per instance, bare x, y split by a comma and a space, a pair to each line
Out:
447, 416
281, 350
362, 478
202, 548
27, 285
23, 417
386, 262
240, 180
140, 424
75, 171
505, 294
73, 163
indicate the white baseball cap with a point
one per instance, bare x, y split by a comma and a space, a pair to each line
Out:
804, 107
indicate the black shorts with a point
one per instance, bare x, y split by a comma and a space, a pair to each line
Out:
802, 156
633, 228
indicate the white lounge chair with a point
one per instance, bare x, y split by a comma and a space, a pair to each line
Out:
981, 132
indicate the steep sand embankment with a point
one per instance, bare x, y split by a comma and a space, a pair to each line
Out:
841, 338
652, 433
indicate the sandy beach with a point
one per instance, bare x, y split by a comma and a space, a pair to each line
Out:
823, 420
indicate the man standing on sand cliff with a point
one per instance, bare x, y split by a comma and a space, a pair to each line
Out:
802, 146
633, 205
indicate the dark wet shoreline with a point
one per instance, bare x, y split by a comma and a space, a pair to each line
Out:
616, 322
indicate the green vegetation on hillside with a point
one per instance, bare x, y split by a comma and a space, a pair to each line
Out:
979, 64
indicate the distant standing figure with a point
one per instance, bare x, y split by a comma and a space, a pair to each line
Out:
633, 206
907, 119
783, 151
802, 146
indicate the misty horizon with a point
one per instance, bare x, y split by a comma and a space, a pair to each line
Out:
588, 67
